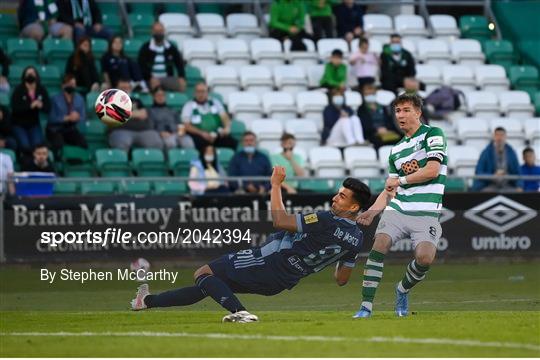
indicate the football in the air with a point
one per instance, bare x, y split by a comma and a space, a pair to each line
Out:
113, 107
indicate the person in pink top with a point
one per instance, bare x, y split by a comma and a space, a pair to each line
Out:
365, 64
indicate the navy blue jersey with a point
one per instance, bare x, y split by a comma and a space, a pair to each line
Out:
322, 239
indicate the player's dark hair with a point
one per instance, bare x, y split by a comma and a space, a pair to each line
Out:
39, 146
500, 128
395, 35
412, 98
528, 150
361, 191
337, 52
247, 133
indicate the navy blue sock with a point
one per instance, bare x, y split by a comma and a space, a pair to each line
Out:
220, 292
179, 297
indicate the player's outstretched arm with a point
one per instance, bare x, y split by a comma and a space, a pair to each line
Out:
379, 205
342, 273
280, 218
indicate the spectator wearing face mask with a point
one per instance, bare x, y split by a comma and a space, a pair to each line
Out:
206, 171
158, 59
341, 126
378, 124
293, 163
396, 64
67, 112
250, 162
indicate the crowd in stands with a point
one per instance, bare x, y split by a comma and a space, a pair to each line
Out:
204, 123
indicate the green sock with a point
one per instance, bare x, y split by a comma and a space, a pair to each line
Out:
414, 274
373, 271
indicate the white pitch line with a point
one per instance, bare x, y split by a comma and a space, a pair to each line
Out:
375, 339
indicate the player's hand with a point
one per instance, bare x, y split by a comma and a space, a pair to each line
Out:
391, 184
278, 176
366, 218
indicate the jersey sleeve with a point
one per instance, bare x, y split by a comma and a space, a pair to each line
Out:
349, 260
313, 222
392, 171
436, 145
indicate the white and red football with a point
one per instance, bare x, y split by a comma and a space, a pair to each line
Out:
113, 107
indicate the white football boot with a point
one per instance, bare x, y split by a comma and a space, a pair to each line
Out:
241, 317
138, 303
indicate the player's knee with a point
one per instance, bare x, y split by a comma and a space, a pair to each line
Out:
425, 259
203, 270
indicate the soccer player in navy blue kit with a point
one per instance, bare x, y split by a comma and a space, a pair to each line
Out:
307, 243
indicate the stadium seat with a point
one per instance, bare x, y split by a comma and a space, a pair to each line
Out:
305, 131
536, 100
176, 100
433, 52
212, 26
224, 156
474, 132
245, 105
146, 98
95, 133
467, 51
516, 104
430, 75
314, 75
193, 76
525, 78
134, 187
378, 26
97, 188
455, 185
515, 135
266, 51
141, 8
279, 105
131, 47
112, 163
310, 105
179, 160
532, 132
65, 188
411, 26
326, 161
353, 99
91, 98
491, 78
384, 97
222, 79
463, 159
199, 52
149, 162
57, 51
303, 58
77, 162
410, 46
375, 46
482, 104
268, 132
23, 52
8, 26
257, 79
238, 128
290, 78
113, 21
233, 52
362, 161
326, 46
141, 24
384, 154
500, 52
317, 185
460, 77
175, 8
474, 27
243, 26
445, 26
177, 26
170, 187
4, 99
209, 8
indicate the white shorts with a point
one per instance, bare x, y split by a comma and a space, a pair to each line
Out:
417, 228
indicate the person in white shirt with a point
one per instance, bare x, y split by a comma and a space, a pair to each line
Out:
6, 171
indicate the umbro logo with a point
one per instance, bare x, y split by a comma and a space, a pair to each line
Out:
446, 215
500, 214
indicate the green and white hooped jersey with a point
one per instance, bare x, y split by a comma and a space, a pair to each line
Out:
411, 154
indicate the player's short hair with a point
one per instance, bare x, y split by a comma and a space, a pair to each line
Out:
528, 150
412, 98
361, 192
500, 128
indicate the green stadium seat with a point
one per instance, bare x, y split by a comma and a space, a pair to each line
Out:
8, 26
95, 133
113, 21
15, 73
175, 8
455, 185
108, 8
216, 96
176, 100
4, 99
99, 47
23, 52
376, 185
142, 8
525, 77
57, 51
500, 52
474, 27
97, 188
112, 162
317, 185
536, 100
132, 46
134, 187
238, 129
180, 159
145, 98
210, 8
91, 98
77, 162
193, 75
149, 162
51, 77
141, 24
65, 188
170, 187
224, 156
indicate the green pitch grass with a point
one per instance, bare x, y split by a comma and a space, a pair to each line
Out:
488, 310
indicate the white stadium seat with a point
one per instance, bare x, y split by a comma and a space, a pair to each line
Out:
245, 105
353, 99
305, 131
384, 154
378, 26
212, 26
491, 78
233, 52
482, 104
514, 130
326, 46
532, 132
463, 160
474, 132
266, 51
279, 105
411, 26
375, 46
516, 104
222, 79
243, 26
433, 52
445, 26
384, 97
256, 78
467, 51
410, 45
326, 161
310, 105
314, 75
362, 161
290, 78
460, 77
429, 75
268, 132
199, 52
303, 58
177, 26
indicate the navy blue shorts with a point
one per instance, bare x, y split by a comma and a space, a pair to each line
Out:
245, 273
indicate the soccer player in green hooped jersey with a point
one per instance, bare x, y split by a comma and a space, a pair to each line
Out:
412, 202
